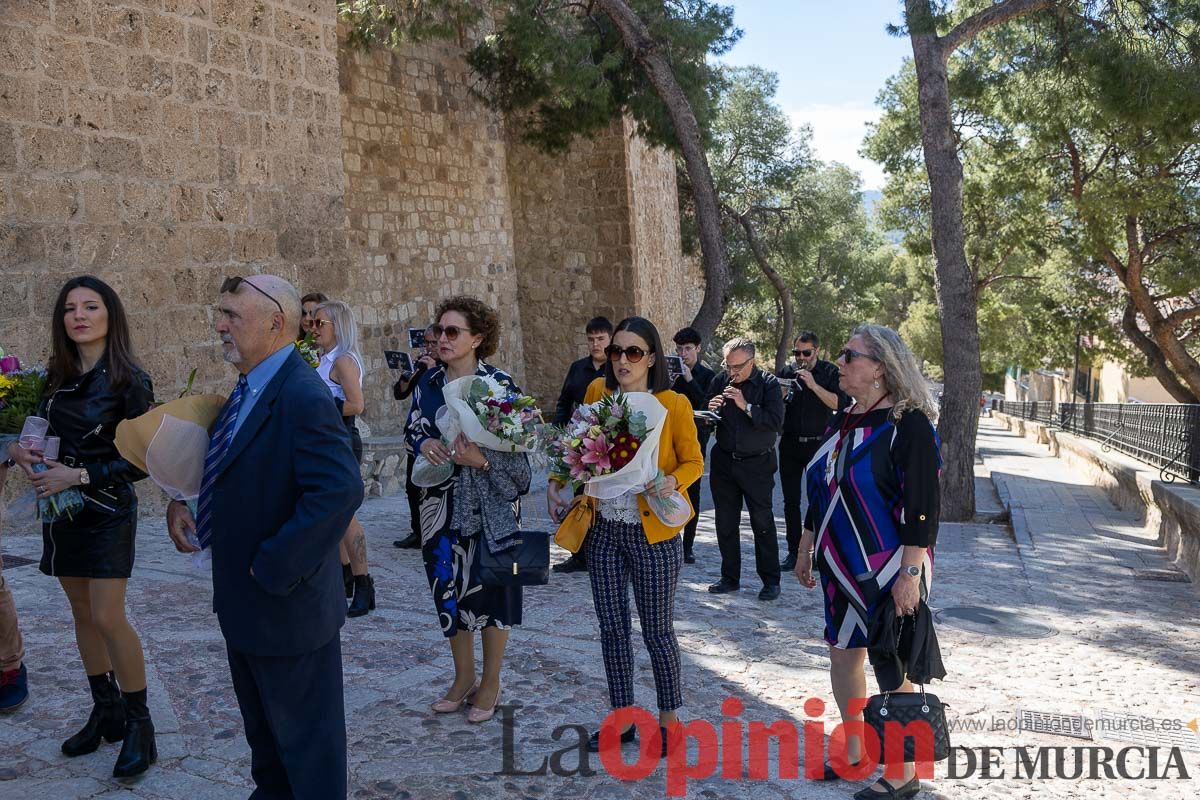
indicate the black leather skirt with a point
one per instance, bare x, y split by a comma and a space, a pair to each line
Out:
98, 542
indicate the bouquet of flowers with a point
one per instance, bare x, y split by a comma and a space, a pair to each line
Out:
610, 448
494, 416
20, 392
307, 347
488, 413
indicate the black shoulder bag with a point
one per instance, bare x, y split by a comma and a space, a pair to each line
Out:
526, 562
905, 709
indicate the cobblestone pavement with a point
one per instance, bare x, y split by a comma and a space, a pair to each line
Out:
1121, 641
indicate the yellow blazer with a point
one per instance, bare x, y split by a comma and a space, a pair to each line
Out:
679, 454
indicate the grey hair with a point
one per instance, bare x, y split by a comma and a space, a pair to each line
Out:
739, 343
345, 326
910, 391
282, 292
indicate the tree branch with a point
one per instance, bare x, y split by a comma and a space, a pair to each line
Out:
989, 18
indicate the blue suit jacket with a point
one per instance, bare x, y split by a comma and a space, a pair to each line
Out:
286, 490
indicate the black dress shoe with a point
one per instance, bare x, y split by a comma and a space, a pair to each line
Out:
688, 558
830, 774
890, 792
572, 564
788, 564
628, 736
769, 592
410, 542
723, 587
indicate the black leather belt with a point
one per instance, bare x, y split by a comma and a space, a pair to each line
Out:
747, 456
807, 438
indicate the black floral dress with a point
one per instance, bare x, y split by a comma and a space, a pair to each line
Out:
450, 554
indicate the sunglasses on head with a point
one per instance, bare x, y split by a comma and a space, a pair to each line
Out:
633, 354
803, 353
849, 355
452, 331
231, 285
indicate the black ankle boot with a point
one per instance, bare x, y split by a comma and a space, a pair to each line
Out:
107, 720
364, 596
139, 750
348, 580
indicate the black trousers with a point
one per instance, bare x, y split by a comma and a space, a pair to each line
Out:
751, 481
689, 530
414, 496
793, 458
295, 720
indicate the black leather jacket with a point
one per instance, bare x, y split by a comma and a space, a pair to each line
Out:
84, 413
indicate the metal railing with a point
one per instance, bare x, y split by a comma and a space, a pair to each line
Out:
1164, 435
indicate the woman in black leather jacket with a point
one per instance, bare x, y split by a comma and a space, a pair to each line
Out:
93, 383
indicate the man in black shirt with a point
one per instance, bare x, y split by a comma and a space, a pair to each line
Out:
580, 374
693, 384
811, 402
743, 466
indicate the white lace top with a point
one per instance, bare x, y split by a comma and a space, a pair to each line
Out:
621, 509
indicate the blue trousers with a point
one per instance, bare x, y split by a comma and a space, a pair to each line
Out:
295, 719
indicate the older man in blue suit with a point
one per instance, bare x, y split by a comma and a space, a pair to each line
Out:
280, 485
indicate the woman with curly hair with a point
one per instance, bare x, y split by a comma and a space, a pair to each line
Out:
485, 488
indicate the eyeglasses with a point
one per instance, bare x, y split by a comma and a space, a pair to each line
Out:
736, 367
231, 285
321, 323
633, 354
452, 331
849, 355
803, 353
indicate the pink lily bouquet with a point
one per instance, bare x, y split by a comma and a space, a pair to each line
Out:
610, 448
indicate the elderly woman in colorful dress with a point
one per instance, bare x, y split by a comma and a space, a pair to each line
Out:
870, 504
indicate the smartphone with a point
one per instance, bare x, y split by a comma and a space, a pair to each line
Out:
398, 359
674, 367
416, 338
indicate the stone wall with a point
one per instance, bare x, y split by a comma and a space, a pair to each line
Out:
163, 146
166, 145
427, 205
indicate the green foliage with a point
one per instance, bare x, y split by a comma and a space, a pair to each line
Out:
563, 67
20, 393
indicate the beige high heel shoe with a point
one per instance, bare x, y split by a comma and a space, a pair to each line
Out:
448, 706
477, 715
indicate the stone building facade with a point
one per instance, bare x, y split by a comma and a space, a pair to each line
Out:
166, 144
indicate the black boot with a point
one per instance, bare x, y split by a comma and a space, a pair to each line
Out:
139, 750
364, 596
107, 719
348, 580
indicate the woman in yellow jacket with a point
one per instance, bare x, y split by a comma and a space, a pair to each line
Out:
628, 542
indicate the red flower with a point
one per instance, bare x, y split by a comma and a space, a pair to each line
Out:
624, 448
506, 407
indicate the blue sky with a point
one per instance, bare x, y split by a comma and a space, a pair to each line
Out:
832, 58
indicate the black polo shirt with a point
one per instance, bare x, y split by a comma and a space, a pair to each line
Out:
748, 434
696, 391
806, 415
574, 389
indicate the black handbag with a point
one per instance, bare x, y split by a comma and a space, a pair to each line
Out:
526, 562
890, 713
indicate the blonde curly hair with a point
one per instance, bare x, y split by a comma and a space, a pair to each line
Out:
910, 390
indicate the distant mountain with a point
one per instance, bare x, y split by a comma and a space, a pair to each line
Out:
870, 199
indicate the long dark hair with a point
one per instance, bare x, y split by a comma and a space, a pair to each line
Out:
118, 346
658, 379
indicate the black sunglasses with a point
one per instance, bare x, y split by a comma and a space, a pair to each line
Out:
231, 285
633, 354
803, 353
849, 355
452, 331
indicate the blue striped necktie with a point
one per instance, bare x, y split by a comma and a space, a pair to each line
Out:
217, 445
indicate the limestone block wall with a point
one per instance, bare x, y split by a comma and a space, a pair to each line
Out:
427, 205
573, 249
164, 146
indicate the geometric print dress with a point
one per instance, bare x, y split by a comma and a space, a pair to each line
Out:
865, 500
